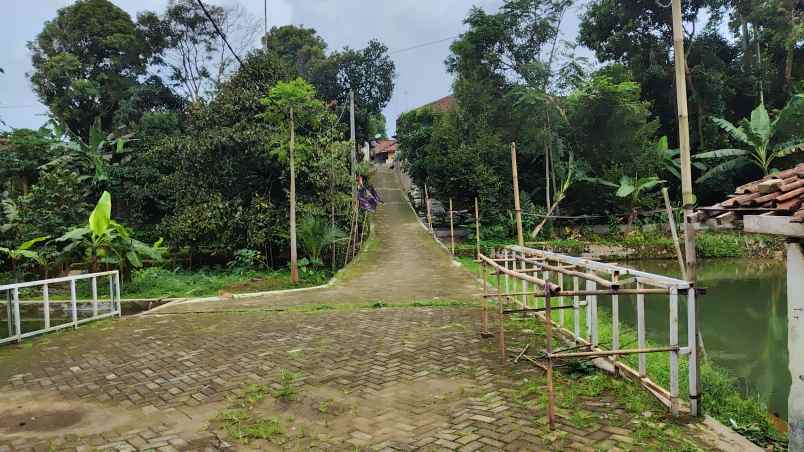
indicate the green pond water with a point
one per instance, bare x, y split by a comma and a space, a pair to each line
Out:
742, 321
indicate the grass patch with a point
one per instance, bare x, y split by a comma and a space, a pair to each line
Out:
241, 423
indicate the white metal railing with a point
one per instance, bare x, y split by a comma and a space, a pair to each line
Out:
549, 273
12, 303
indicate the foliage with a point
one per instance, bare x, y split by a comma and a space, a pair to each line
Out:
315, 235
23, 252
246, 258
759, 135
86, 59
106, 241
369, 72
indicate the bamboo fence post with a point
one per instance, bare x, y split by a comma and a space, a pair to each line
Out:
560, 281
506, 257
615, 322
484, 318
500, 323
477, 229
551, 397
517, 208
576, 309
693, 368
46, 300
451, 229
428, 205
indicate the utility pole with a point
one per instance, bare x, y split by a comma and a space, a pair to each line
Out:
688, 201
294, 265
265, 19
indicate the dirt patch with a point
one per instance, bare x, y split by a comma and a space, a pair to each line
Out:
322, 415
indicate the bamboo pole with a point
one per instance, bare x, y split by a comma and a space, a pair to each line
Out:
686, 172
428, 207
671, 219
451, 229
477, 229
517, 208
484, 319
500, 323
551, 396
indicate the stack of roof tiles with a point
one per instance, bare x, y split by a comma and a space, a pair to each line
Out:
779, 194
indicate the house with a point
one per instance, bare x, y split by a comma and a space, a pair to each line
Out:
775, 205
444, 105
384, 151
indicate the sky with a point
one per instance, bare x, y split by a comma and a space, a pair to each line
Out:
400, 24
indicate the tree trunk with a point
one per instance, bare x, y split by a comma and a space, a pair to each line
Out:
294, 267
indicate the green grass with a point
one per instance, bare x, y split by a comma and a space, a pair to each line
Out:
647, 245
723, 398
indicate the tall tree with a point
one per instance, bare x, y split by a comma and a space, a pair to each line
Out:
86, 59
196, 57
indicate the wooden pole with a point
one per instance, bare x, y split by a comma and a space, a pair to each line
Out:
294, 265
500, 322
671, 219
484, 319
551, 396
477, 229
686, 171
451, 230
428, 207
517, 208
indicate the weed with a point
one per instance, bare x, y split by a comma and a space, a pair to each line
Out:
286, 390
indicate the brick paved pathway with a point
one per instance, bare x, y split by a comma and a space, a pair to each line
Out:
411, 378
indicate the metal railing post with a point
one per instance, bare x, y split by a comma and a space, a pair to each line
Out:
17, 321
9, 314
641, 331
94, 285
674, 354
46, 301
692, 343
117, 293
73, 303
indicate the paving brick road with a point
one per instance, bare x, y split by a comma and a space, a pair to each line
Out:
338, 376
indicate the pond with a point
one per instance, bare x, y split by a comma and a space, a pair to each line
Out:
742, 321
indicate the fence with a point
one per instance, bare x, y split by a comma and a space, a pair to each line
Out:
13, 303
520, 267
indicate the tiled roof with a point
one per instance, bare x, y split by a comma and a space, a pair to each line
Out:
780, 194
385, 147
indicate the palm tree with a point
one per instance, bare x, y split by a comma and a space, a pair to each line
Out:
757, 135
315, 235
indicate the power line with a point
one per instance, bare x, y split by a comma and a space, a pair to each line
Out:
218, 30
418, 46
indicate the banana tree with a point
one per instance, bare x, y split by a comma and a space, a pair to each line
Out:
104, 241
670, 159
756, 137
632, 189
24, 252
93, 156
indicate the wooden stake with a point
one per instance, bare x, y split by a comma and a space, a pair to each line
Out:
551, 396
517, 208
427, 206
477, 229
500, 322
484, 319
451, 230
672, 221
